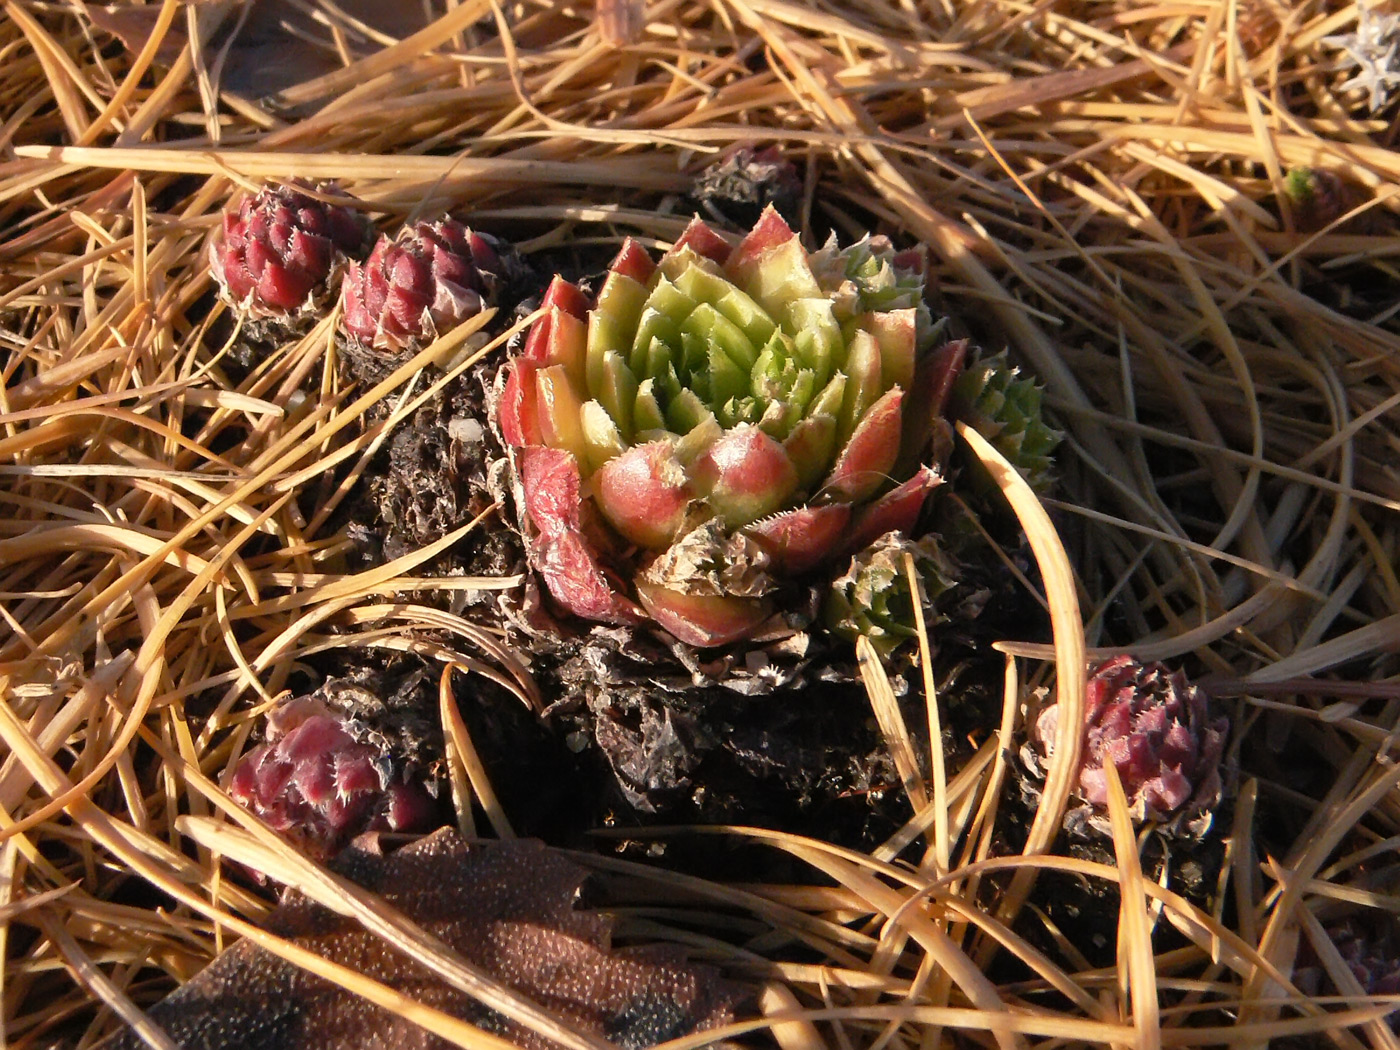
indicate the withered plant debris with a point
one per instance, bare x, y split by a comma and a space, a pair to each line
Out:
791, 745
735, 190
511, 908
430, 478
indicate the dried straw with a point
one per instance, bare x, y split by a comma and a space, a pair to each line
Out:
1102, 186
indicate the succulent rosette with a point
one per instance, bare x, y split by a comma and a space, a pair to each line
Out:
276, 255
1157, 730
994, 398
721, 422
874, 596
317, 782
413, 287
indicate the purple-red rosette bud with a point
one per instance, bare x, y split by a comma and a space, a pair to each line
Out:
1158, 731
414, 287
279, 250
313, 781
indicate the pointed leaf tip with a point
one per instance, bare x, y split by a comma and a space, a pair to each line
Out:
567, 297
633, 261
701, 238
895, 511
943, 367
768, 233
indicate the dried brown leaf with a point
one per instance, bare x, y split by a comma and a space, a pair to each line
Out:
509, 907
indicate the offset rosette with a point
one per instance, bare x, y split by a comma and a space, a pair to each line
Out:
278, 252
1004, 406
425, 281
316, 782
722, 422
1158, 731
874, 596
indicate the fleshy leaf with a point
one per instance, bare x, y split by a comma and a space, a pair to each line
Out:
600, 435
566, 296
768, 233
745, 475
865, 462
799, 540
519, 407
896, 333
633, 261
550, 479
703, 620
559, 408
701, 238
613, 325
810, 446
644, 494
568, 346
863, 388
895, 511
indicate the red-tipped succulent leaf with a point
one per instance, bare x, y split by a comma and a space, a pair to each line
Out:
559, 548
644, 494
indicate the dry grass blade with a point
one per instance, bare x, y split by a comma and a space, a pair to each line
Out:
1181, 219
461, 754
1134, 927
887, 713
1068, 626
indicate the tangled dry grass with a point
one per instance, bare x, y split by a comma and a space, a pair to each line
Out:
1102, 186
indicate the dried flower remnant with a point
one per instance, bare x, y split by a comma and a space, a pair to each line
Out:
721, 422
1374, 51
508, 907
315, 781
277, 253
1157, 730
737, 188
415, 286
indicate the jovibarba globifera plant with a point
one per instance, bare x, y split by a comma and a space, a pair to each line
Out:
714, 425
